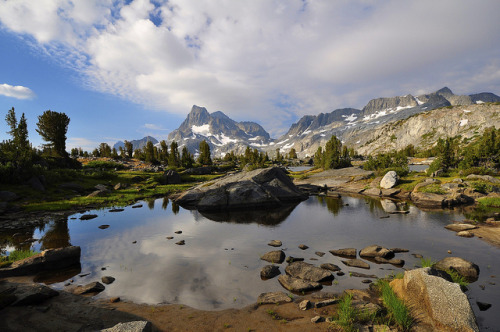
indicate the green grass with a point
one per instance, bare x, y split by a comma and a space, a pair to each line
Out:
16, 255
433, 189
489, 201
55, 199
427, 262
457, 278
397, 311
346, 314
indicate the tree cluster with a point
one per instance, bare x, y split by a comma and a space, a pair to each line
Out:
333, 156
19, 160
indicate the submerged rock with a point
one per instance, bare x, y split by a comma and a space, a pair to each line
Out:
269, 187
34, 295
357, 263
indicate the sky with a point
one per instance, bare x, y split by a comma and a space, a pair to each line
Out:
123, 69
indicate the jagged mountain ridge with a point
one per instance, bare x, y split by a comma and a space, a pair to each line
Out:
137, 143
353, 126
221, 132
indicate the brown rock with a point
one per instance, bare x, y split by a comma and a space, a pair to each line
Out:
357, 263
345, 252
277, 256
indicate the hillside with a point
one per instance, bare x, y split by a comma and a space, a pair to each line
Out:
424, 129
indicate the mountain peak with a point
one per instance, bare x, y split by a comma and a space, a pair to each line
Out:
444, 91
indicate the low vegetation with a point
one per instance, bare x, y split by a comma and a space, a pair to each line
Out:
16, 255
397, 312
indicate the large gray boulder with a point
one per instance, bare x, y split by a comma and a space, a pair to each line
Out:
467, 269
308, 271
262, 188
298, 285
389, 180
439, 304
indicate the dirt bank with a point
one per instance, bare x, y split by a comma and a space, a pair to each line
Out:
69, 312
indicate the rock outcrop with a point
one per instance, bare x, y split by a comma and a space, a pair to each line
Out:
308, 271
269, 187
440, 305
50, 259
467, 269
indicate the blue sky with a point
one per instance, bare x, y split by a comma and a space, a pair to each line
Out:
126, 69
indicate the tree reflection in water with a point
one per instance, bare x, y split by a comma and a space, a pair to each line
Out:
57, 236
332, 204
164, 203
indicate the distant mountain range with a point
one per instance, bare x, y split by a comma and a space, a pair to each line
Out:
353, 126
137, 143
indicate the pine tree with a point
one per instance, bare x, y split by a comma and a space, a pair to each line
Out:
52, 126
129, 148
187, 160
174, 158
204, 157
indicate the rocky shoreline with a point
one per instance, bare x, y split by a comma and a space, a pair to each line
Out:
51, 310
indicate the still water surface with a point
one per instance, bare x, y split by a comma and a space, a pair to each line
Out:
219, 266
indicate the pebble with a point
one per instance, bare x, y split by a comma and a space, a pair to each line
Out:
316, 319
303, 247
181, 243
170, 237
104, 226
178, 232
304, 305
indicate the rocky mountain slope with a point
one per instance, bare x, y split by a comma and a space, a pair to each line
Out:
424, 129
219, 131
356, 127
368, 130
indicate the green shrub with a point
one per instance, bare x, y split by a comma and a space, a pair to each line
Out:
489, 202
104, 164
427, 262
433, 189
457, 278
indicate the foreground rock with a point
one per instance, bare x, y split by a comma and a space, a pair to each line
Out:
273, 298
298, 285
269, 187
137, 326
277, 256
34, 295
50, 259
467, 269
308, 271
437, 303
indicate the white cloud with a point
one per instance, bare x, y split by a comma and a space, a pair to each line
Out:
152, 126
246, 57
80, 142
19, 92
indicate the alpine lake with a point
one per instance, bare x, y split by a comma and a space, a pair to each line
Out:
219, 265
